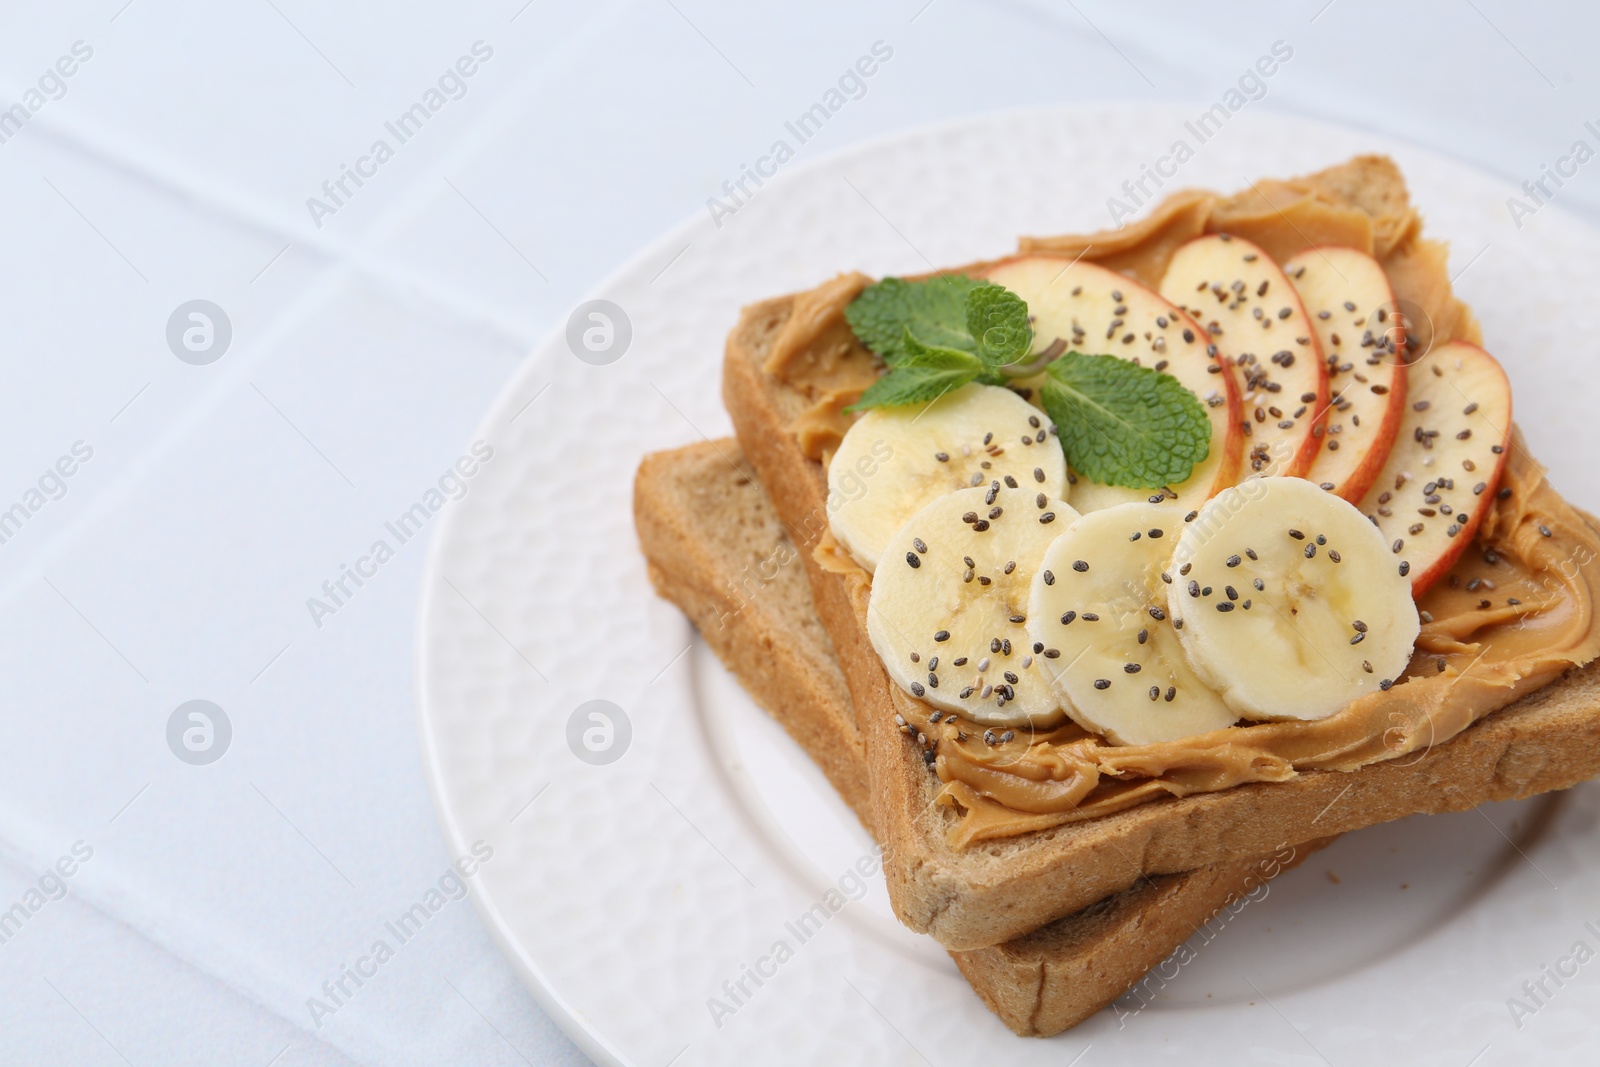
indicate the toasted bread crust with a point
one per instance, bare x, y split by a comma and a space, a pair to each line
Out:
1043, 977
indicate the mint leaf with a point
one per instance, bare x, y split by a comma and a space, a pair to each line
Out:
921, 373
935, 357
935, 310
997, 318
1122, 424
912, 385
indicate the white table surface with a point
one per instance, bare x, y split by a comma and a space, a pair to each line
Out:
176, 163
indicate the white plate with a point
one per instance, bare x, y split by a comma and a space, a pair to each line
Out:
627, 893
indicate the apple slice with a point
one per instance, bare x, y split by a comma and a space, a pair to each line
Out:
1253, 314
1100, 312
1441, 475
1363, 340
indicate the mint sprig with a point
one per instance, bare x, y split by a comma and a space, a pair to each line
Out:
1123, 424
937, 335
1118, 423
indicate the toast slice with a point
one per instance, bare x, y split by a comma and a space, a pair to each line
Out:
1545, 735
716, 549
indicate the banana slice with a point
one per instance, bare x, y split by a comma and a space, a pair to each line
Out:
1288, 601
1099, 608
894, 461
948, 610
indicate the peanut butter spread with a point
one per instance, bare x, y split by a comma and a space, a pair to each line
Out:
818, 352
1514, 614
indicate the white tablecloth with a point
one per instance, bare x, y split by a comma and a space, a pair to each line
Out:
165, 151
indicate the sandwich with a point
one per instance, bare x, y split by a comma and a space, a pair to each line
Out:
1161, 548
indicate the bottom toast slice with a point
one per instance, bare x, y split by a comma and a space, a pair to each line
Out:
717, 550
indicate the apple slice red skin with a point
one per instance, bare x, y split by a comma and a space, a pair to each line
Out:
1360, 482
1355, 487
1425, 577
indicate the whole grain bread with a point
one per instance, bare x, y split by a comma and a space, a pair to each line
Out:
717, 550
1000, 890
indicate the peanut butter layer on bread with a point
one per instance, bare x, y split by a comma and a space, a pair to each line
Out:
716, 549
998, 889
